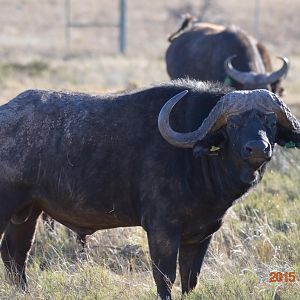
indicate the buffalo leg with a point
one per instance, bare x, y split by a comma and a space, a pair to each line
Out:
163, 246
10, 200
16, 243
190, 261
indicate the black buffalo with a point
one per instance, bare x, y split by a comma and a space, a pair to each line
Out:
97, 162
229, 55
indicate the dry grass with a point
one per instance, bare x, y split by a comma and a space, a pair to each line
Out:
109, 73
104, 74
260, 234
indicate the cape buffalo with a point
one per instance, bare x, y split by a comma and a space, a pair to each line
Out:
229, 55
97, 162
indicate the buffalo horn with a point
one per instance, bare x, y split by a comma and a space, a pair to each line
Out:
232, 103
252, 78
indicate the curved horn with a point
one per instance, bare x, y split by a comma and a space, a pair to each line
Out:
232, 103
216, 119
241, 77
281, 72
177, 139
284, 115
251, 78
238, 102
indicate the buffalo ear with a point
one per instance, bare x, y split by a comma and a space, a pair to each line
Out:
211, 144
287, 138
276, 88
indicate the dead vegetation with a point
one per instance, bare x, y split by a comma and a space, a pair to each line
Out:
260, 234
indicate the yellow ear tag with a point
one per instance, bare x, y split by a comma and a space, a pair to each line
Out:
214, 148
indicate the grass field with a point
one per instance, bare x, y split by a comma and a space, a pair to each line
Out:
260, 234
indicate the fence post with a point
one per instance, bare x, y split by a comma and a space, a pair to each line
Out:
122, 26
257, 19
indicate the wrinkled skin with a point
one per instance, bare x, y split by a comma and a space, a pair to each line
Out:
97, 162
200, 53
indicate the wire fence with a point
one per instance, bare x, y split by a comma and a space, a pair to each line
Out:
100, 27
120, 25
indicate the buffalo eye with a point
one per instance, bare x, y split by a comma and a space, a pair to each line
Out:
234, 122
233, 125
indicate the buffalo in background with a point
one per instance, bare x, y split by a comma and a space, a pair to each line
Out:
98, 162
211, 52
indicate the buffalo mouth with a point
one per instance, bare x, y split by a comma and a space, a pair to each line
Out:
257, 161
251, 170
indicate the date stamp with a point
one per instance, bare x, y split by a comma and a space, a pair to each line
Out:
279, 280
282, 277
